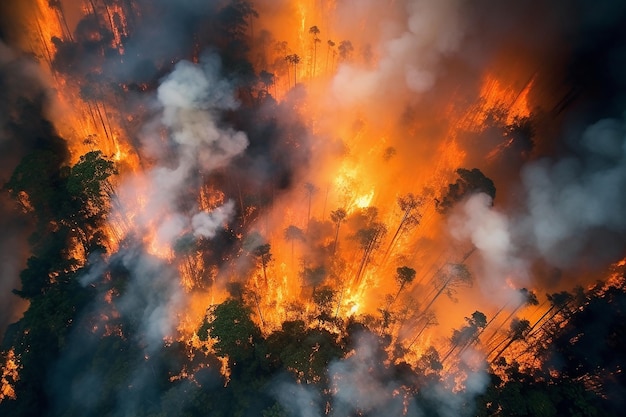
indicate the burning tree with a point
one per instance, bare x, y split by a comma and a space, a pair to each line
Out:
469, 182
337, 216
345, 50
314, 30
408, 204
293, 234
467, 334
518, 331
264, 255
369, 239
404, 276
448, 279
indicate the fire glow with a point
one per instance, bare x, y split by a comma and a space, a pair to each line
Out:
351, 180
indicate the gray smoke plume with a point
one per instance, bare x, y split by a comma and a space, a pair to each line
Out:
24, 107
576, 204
571, 215
411, 39
185, 142
361, 384
190, 99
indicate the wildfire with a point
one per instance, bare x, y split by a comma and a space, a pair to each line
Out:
9, 376
347, 230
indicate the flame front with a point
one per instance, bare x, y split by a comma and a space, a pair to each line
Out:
373, 163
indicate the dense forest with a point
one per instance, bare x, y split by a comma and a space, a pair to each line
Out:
104, 334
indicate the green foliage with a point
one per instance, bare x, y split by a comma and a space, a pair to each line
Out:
68, 203
36, 183
274, 411
304, 352
524, 394
87, 180
234, 330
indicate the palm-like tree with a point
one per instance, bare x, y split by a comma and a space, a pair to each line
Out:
310, 190
293, 59
331, 45
467, 334
345, 50
314, 30
447, 279
519, 329
404, 276
337, 216
408, 204
293, 233
263, 252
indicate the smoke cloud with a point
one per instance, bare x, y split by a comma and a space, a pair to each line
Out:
361, 383
571, 216
190, 100
576, 204
24, 107
145, 312
413, 37
476, 220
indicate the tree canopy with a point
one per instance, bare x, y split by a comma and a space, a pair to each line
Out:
469, 182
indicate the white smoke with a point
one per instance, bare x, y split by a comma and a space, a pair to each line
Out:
361, 384
151, 297
412, 43
298, 400
476, 220
181, 145
573, 198
191, 99
184, 144
572, 213
206, 224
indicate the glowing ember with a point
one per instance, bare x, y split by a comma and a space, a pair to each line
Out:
9, 376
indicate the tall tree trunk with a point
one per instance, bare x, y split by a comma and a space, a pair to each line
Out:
424, 327
106, 132
336, 238
314, 55
258, 307
263, 267
295, 74
406, 215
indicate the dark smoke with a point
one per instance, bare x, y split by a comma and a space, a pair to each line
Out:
24, 127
